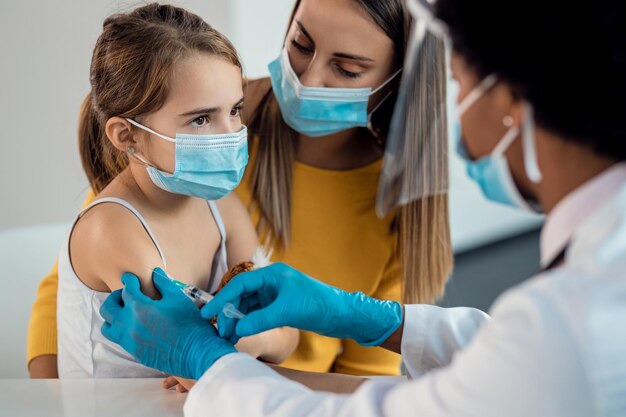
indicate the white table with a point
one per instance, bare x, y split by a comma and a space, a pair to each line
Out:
93, 398
88, 398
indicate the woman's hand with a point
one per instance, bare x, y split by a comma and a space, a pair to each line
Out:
166, 334
279, 296
44, 366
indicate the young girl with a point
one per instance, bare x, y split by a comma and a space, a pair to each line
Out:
162, 145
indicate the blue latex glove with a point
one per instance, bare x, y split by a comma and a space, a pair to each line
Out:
279, 296
167, 334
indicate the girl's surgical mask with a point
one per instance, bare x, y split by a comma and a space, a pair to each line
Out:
207, 166
492, 172
320, 111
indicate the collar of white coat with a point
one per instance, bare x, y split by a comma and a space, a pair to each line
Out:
576, 208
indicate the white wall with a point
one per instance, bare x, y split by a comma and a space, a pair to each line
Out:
45, 50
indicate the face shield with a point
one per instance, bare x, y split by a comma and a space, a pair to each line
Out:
415, 163
416, 159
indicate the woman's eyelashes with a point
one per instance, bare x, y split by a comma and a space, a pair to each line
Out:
346, 73
301, 48
308, 51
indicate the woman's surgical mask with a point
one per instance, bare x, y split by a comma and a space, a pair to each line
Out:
320, 111
492, 172
207, 166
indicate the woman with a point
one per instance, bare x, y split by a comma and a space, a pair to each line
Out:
313, 197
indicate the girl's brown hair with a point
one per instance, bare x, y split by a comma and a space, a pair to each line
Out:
130, 72
424, 246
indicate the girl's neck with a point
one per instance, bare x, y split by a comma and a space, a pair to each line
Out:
138, 183
345, 150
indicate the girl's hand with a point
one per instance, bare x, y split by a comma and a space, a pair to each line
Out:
253, 345
180, 384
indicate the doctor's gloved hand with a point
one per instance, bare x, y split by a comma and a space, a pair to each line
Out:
279, 295
167, 334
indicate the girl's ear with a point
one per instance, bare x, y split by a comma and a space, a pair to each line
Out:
118, 130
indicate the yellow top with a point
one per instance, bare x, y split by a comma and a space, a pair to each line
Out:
336, 238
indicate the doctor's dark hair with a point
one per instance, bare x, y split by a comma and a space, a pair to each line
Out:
131, 67
567, 59
423, 246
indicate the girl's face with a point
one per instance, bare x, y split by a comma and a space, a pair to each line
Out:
205, 97
335, 43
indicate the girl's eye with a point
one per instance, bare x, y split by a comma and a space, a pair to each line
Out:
201, 121
236, 111
346, 73
303, 49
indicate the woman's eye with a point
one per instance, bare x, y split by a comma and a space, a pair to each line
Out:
346, 73
200, 121
235, 112
303, 49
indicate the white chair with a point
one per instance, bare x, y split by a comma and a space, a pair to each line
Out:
26, 256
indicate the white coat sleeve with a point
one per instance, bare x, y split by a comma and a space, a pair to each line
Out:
432, 335
521, 363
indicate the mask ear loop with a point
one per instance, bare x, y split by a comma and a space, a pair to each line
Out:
476, 93
132, 152
147, 129
370, 127
506, 141
529, 145
387, 81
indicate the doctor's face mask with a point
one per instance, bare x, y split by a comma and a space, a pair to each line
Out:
492, 171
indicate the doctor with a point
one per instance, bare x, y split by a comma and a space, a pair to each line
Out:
541, 106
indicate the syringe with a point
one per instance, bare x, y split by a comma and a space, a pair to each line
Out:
202, 297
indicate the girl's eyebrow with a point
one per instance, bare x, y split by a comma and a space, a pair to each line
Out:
209, 110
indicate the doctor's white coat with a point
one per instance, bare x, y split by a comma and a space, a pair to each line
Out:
555, 346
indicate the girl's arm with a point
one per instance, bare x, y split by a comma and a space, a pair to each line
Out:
107, 242
273, 346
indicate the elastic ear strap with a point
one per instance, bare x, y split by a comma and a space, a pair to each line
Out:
476, 93
380, 103
147, 129
506, 141
387, 81
529, 145
141, 159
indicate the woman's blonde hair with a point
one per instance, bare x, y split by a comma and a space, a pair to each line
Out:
424, 246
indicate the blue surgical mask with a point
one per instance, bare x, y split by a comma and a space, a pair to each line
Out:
319, 111
492, 172
207, 166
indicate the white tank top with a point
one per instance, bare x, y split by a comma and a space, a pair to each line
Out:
83, 351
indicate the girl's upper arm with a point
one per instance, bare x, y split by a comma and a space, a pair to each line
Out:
109, 241
241, 238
